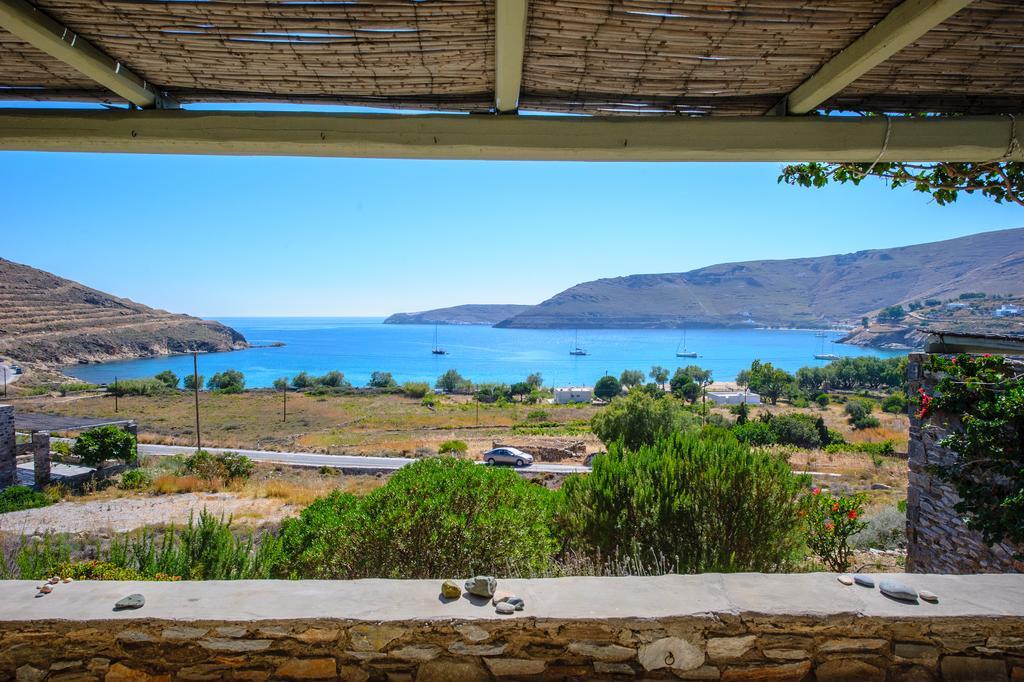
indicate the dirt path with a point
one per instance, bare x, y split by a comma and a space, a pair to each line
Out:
129, 513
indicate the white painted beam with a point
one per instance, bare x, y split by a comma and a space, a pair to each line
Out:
902, 26
43, 32
760, 138
509, 46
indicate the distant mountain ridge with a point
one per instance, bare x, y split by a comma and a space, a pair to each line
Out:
798, 292
48, 320
488, 314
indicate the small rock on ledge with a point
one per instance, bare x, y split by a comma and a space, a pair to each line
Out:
450, 589
482, 586
132, 601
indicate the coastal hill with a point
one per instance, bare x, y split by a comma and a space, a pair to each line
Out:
47, 320
799, 292
489, 314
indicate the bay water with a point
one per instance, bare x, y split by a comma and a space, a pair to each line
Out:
359, 346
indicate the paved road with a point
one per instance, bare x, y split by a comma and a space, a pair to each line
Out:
347, 463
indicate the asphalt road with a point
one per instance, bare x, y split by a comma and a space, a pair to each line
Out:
347, 463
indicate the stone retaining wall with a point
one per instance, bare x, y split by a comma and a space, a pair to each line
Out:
707, 627
938, 541
8, 446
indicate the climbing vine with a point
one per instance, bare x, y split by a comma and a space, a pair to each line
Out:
981, 401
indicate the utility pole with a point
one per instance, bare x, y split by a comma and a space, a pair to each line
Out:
195, 386
115, 395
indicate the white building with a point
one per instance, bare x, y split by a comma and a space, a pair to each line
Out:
1007, 310
573, 394
955, 306
734, 397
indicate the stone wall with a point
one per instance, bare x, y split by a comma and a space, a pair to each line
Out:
544, 448
938, 540
8, 447
705, 627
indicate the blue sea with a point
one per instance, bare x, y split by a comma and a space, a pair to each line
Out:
359, 346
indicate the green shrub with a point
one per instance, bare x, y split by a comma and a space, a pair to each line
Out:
896, 403
801, 430
434, 518
453, 447
415, 389
227, 466
60, 448
885, 447
607, 387
137, 387
429, 400
453, 382
382, 380
754, 433
18, 497
887, 529
228, 381
637, 419
95, 570
95, 446
207, 549
831, 522
168, 379
135, 479
191, 381
538, 415
858, 414
75, 387
701, 502
822, 400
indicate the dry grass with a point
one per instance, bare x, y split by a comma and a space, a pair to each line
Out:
360, 424
169, 484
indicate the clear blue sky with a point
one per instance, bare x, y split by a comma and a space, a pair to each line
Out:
296, 236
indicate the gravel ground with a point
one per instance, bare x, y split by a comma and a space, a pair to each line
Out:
128, 513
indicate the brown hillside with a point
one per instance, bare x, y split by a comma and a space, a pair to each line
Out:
49, 320
799, 292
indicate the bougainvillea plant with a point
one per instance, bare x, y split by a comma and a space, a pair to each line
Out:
980, 400
831, 522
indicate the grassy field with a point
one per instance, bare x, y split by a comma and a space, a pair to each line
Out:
380, 424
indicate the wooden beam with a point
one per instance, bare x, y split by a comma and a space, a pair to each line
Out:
509, 46
759, 138
902, 26
43, 32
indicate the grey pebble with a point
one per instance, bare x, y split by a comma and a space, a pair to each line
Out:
928, 596
897, 590
505, 607
482, 586
132, 601
845, 579
516, 602
864, 581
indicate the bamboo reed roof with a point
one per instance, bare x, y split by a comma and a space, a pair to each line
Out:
626, 57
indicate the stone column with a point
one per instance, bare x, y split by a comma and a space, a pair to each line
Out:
8, 450
41, 458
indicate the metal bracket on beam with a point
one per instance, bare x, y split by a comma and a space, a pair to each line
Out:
43, 32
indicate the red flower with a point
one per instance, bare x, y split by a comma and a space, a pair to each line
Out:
835, 507
987, 355
829, 526
852, 514
816, 491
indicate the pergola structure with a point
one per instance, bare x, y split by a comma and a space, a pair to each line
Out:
665, 80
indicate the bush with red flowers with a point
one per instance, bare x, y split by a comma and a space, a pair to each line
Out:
831, 521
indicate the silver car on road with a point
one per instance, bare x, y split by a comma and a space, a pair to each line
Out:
508, 456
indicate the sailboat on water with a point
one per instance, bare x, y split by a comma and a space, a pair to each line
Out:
437, 350
576, 350
684, 353
825, 356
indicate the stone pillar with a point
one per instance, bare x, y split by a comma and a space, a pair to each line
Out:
8, 450
41, 458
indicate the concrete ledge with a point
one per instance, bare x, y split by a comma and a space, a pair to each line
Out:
728, 627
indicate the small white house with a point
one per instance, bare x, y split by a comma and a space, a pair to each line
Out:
956, 305
573, 394
734, 397
1007, 310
